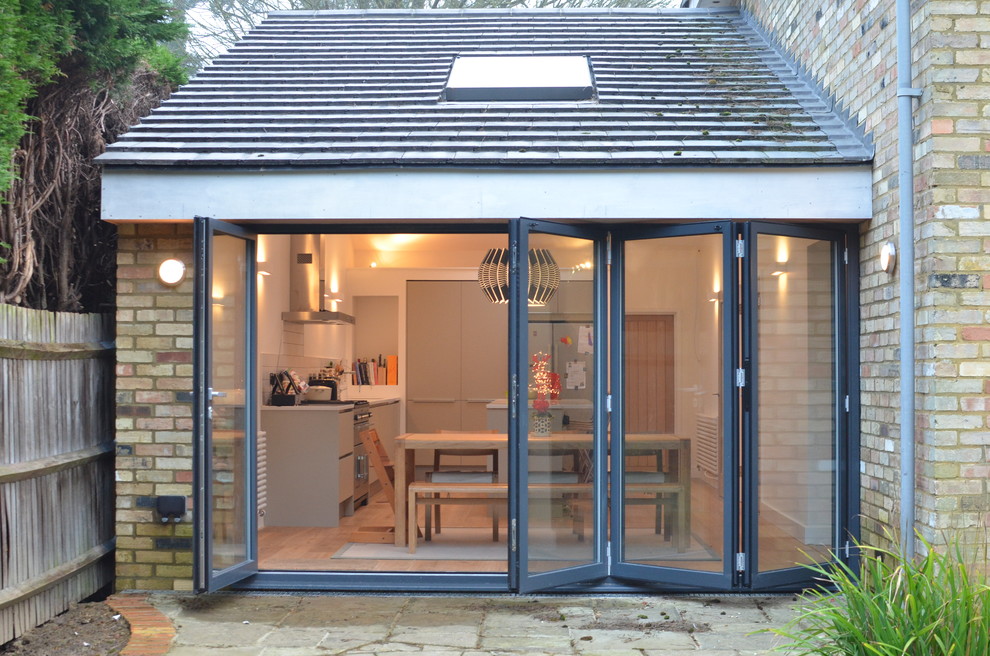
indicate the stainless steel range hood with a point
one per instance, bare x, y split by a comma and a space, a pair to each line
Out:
306, 285
318, 316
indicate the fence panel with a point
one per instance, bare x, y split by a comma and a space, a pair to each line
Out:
56, 463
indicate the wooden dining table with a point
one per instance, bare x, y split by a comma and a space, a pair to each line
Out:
676, 449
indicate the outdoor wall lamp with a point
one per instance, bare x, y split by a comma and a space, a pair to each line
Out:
171, 272
888, 259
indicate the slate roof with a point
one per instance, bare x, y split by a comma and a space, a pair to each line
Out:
363, 88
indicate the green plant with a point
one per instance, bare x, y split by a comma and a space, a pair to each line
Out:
5, 246
933, 605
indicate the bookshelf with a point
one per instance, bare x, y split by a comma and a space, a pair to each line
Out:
376, 341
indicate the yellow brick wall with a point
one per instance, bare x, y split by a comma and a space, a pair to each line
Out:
848, 48
154, 407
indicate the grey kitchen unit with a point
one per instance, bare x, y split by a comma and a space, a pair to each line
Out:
310, 464
309, 468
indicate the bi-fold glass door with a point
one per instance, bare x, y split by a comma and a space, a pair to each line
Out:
716, 451
678, 406
224, 411
557, 421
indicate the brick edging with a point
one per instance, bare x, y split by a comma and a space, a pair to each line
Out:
151, 630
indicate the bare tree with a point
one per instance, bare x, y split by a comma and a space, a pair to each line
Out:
217, 24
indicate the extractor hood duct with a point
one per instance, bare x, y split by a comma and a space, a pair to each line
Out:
306, 286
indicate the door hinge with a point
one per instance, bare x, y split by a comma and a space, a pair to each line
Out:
847, 403
608, 403
513, 544
845, 256
740, 378
740, 562
848, 546
514, 401
740, 248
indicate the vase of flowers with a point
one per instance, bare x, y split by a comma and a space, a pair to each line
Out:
546, 387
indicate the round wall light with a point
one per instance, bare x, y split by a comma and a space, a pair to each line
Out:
888, 257
171, 272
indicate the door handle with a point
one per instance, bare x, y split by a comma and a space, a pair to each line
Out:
217, 395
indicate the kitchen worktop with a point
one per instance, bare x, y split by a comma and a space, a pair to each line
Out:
326, 407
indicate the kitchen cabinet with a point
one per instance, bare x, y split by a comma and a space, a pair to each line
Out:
385, 415
433, 351
457, 352
310, 464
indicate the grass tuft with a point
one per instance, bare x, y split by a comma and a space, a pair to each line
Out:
937, 604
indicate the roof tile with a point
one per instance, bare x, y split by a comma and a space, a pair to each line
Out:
353, 88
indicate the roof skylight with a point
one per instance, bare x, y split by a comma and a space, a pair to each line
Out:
520, 78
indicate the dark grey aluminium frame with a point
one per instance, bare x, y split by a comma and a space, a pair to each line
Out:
378, 581
675, 579
617, 580
597, 568
204, 579
845, 321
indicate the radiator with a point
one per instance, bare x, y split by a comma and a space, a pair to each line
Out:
262, 458
707, 445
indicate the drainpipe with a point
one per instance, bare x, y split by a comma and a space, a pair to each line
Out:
905, 264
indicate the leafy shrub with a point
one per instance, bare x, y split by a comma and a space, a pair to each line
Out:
41, 42
934, 605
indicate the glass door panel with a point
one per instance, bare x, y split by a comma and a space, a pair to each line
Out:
797, 399
672, 515
225, 414
558, 418
672, 403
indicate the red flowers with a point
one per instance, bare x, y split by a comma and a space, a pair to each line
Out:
546, 383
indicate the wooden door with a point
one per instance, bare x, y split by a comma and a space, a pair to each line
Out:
649, 364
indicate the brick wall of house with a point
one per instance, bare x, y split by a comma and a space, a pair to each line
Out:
849, 48
154, 407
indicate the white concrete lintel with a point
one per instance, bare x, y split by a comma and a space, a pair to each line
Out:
434, 194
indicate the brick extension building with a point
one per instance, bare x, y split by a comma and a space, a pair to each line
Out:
845, 50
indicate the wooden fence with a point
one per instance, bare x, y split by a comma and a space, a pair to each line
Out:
56, 463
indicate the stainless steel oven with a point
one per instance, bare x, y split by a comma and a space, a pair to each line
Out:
362, 469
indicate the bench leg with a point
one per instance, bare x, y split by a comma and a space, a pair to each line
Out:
427, 528
413, 523
436, 515
494, 509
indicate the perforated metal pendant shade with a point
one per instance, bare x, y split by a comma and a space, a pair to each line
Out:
544, 276
493, 275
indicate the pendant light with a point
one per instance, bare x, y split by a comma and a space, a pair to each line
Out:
544, 276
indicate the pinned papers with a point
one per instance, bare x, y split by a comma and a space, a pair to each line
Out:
577, 375
586, 340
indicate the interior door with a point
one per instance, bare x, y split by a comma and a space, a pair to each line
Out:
674, 488
225, 413
557, 418
795, 436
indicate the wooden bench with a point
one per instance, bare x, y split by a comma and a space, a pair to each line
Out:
486, 494
431, 494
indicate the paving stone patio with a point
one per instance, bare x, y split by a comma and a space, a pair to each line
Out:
303, 625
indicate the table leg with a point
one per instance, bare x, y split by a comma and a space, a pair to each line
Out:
404, 462
684, 507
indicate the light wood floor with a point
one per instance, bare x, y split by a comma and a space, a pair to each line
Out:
313, 549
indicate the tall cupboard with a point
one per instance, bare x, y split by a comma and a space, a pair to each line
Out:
457, 344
